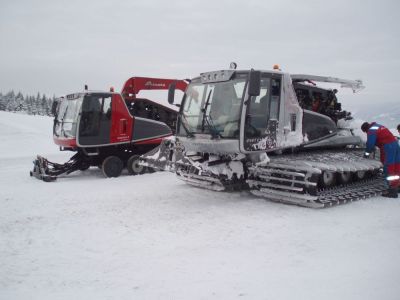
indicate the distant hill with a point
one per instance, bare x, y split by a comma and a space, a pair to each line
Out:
387, 114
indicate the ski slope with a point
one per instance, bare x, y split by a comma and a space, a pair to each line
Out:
154, 237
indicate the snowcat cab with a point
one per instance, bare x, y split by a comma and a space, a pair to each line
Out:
252, 111
247, 129
109, 129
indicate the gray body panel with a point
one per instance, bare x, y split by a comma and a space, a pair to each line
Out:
144, 129
335, 141
204, 143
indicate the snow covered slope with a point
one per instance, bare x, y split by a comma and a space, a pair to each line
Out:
387, 114
153, 237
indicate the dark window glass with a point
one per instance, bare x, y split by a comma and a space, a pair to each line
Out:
262, 115
95, 123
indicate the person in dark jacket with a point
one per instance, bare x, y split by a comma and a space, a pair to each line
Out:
380, 136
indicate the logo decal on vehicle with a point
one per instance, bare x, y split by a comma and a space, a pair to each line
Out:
149, 83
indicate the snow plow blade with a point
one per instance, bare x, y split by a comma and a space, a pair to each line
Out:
160, 158
40, 170
48, 171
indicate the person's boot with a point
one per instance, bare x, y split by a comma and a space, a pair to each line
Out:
390, 193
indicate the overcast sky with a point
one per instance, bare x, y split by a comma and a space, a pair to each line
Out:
56, 47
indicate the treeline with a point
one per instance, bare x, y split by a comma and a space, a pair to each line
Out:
29, 104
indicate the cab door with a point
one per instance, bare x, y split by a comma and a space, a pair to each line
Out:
95, 120
261, 116
122, 121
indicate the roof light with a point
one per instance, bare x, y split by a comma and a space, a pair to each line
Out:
276, 67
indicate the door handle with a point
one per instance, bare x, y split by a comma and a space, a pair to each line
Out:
124, 125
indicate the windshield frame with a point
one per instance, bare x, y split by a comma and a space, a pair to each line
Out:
66, 117
217, 109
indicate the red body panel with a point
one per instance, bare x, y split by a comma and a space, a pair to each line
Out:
122, 124
135, 84
121, 121
64, 142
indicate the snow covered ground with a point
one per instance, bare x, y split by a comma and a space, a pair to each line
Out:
154, 237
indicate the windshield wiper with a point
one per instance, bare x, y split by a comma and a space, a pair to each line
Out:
204, 110
207, 119
64, 114
189, 133
213, 130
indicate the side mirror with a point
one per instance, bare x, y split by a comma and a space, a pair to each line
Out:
254, 83
171, 93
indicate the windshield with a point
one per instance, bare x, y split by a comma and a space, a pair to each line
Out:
66, 117
213, 108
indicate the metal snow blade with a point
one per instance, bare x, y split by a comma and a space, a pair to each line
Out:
161, 157
48, 171
40, 170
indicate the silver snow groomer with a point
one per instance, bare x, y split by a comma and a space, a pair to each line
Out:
281, 136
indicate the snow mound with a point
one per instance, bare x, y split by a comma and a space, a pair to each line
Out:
154, 237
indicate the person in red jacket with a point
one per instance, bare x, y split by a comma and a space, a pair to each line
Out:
380, 136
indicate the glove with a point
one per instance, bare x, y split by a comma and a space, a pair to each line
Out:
366, 155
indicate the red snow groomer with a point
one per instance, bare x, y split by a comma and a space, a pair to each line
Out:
109, 130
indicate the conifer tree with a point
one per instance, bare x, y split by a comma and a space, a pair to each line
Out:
19, 102
2, 102
29, 104
10, 101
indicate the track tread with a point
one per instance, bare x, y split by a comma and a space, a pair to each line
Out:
335, 160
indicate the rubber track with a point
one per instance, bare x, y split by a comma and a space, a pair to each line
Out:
205, 182
329, 197
287, 178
